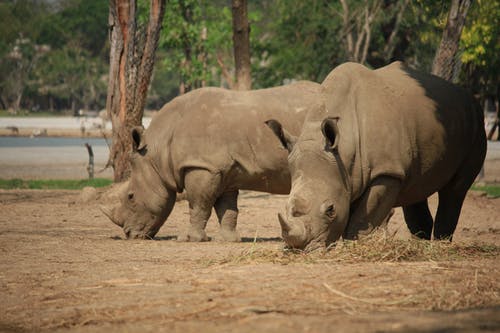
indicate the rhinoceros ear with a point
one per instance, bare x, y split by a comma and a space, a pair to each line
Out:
137, 139
330, 131
286, 139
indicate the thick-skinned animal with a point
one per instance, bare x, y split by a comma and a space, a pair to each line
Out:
384, 138
211, 143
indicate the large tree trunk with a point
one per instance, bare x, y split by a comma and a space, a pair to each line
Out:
132, 54
446, 63
241, 45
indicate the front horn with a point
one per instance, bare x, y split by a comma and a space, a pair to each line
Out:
284, 224
109, 212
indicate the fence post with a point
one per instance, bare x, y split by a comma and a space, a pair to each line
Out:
90, 167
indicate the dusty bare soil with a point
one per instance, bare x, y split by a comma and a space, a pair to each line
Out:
64, 267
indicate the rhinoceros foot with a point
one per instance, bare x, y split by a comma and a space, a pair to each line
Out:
228, 236
193, 236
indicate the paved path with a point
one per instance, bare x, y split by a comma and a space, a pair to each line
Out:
51, 162
71, 161
58, 122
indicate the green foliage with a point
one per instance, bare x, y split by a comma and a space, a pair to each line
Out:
481, 38
54, 54
182, 40
301, 42
72, 74
18, 49
491, 190
62, 184
481, 46
80, 23
197, 39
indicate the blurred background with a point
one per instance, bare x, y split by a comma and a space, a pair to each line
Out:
54, 54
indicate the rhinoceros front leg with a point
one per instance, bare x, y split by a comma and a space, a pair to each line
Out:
374, 207
226, 208
201, 188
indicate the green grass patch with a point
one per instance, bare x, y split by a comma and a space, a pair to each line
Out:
491, 190
53, 184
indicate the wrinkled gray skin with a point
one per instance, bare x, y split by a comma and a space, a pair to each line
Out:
210, 142
382, 139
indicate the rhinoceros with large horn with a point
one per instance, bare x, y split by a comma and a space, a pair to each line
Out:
211, 143
382, 138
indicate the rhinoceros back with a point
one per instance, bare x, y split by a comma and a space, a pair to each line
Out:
224, 131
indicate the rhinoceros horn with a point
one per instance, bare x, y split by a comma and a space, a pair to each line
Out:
294, 233
110, 213
284, 224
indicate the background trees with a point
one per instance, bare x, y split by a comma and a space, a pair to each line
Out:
54, 55
446, 64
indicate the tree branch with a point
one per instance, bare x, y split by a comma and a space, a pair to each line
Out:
347, 30
225, 72
391, 41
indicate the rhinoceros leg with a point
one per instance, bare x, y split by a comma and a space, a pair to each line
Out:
448, 212
226, 208
419, 219
373, 207
201, 188
451, 197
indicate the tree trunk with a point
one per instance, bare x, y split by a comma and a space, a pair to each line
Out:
241, 45
132, 52
446, 62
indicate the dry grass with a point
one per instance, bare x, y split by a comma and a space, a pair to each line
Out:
377, 247
445, 276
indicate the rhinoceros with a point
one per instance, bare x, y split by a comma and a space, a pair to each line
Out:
211, 143
382, 138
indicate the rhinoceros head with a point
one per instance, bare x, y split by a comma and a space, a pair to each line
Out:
144, 201
317, 210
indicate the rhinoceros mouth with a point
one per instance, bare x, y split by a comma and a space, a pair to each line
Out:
130, 234
147, 236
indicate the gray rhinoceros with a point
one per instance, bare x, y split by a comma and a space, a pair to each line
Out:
210, 142
383, 138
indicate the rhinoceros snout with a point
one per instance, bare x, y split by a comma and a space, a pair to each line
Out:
293, 232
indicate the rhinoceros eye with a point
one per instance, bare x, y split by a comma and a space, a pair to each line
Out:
130, 196
330, 211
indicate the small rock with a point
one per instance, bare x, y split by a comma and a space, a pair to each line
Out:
88, 194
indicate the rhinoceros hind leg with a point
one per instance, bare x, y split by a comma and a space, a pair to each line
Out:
373, 207
451, 197
202, 187
448, 212
419, 219
226, 208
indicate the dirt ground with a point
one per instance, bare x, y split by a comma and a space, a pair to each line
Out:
65, 267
